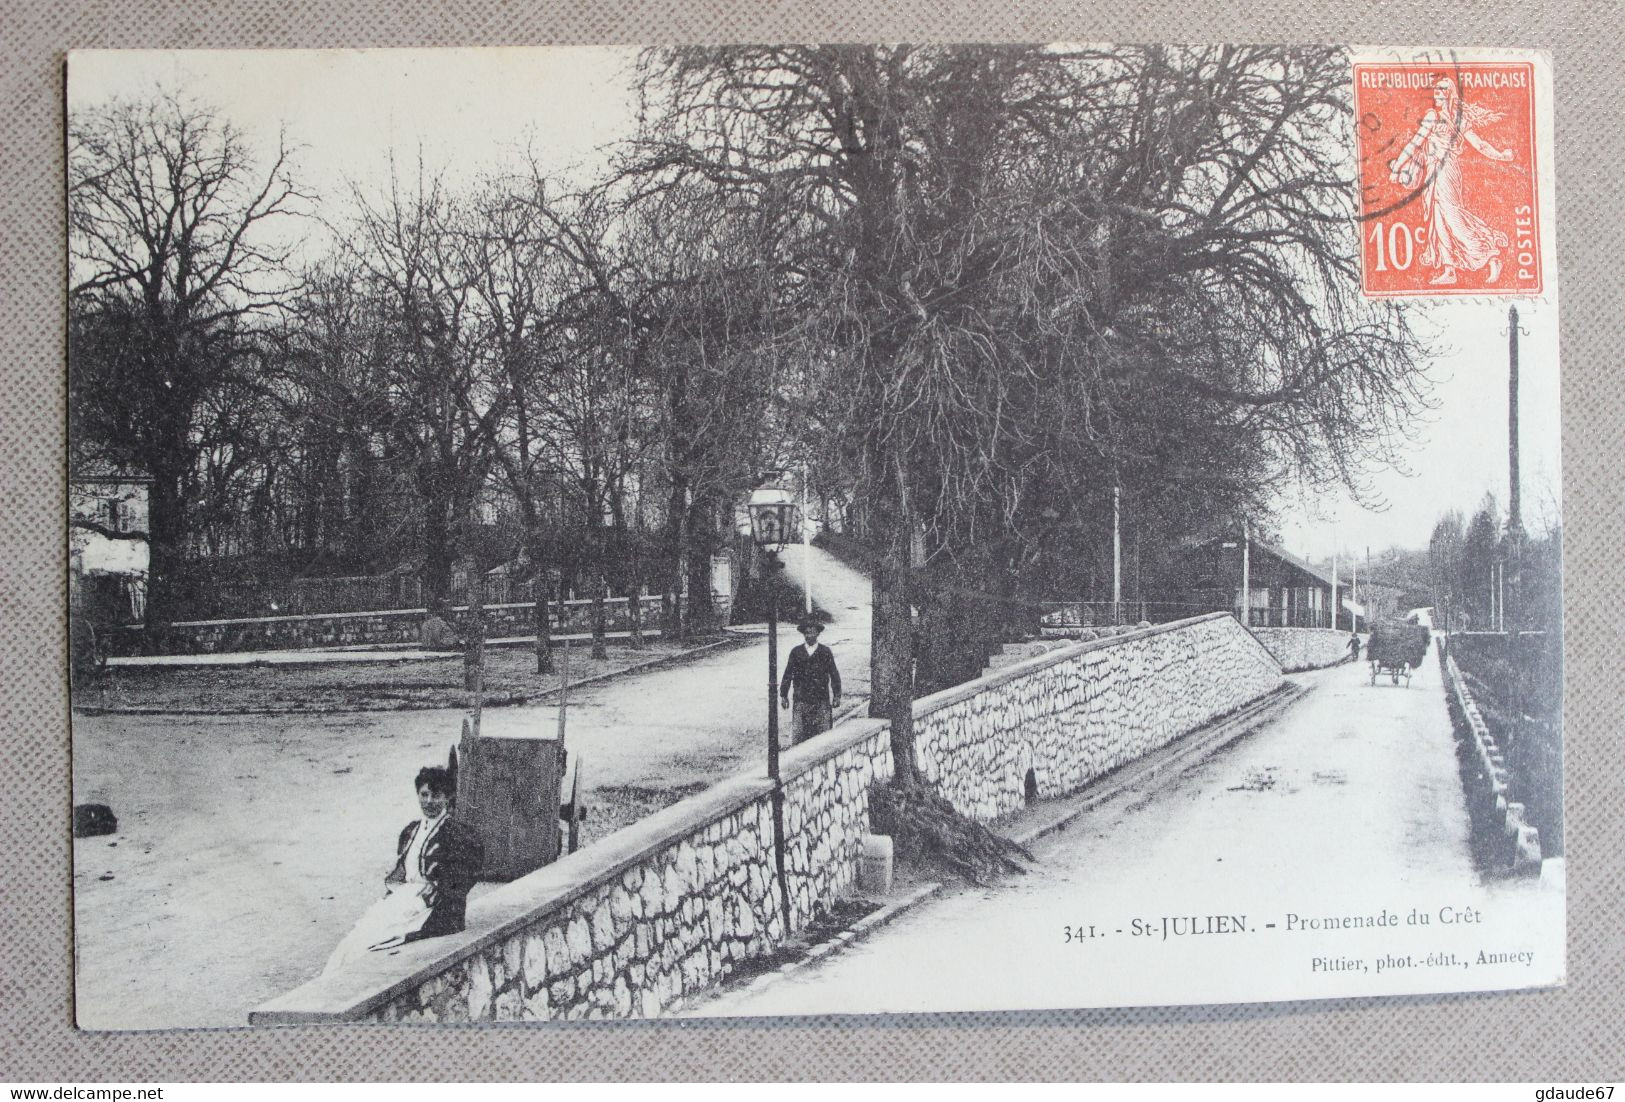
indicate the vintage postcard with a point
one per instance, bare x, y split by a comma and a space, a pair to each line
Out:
743, 531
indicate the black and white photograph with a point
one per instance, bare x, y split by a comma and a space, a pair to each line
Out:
746, 531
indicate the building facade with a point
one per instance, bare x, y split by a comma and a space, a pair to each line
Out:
108, 545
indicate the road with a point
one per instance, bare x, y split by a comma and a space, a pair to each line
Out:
1348, 804
249, 844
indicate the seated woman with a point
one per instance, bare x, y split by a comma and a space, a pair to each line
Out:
437, 862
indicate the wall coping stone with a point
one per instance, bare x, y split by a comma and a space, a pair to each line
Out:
995, 678
1526, 852
376, 612
805, 757
1294, 627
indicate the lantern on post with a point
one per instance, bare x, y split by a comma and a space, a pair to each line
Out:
770, 525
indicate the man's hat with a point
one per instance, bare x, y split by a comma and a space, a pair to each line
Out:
809, 625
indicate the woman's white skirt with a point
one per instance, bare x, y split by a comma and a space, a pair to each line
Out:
383, 925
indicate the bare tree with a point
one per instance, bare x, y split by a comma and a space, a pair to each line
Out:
440, 415
522, 282
708, 302
1001, 254
597, 410
328, 355
174, 242
560, 342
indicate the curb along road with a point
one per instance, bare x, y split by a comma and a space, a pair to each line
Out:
1166, 763
732, 642
1163, 764
860, 929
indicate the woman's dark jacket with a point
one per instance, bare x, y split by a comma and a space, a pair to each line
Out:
450, 862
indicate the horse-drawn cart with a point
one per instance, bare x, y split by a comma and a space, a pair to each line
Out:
1397, 648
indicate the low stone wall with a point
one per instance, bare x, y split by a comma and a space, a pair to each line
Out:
1304, 648
1501, 826
662, 910
396, 626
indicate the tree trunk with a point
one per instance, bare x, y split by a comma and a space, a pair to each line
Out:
891, 661
942, 644
700, 615
438, 555
674, 622
164, 527
598, 578
474, 648
671, 605
599, 627
542, 612
634, 605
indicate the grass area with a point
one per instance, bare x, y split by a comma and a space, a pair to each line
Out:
510, 678
611, 807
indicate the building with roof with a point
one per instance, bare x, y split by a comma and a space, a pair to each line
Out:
108, 542
1283, 590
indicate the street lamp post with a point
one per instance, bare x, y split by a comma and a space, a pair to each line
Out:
1117, 554
770, 529
1246, 573
1511, 593
806, 539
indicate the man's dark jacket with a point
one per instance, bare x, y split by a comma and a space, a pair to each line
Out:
814, 675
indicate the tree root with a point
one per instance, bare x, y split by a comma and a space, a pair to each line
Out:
926, 830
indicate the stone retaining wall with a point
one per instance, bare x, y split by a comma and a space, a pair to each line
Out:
1304, 648
660, 911
1514, 845
397, 626
1078, 712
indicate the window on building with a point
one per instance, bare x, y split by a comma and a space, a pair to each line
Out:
112, 514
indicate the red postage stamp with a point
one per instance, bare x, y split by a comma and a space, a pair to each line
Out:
1449, 184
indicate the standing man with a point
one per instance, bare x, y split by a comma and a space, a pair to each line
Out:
811, 669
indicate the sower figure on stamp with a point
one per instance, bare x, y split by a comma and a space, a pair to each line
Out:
811, 670
1456, 236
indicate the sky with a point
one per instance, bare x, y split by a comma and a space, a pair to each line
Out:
1459, 449
469, 111
346, 111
